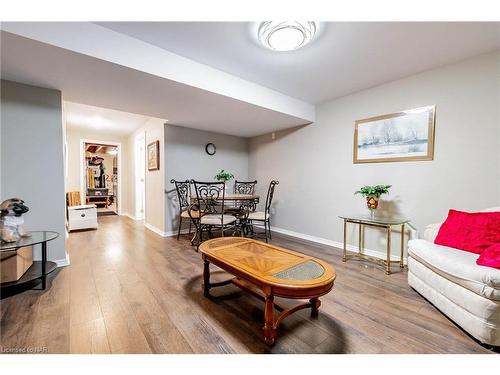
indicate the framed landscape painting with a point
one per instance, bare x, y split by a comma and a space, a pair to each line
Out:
401, 136
154, 156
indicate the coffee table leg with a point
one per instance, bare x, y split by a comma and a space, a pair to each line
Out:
315, 304
269, 329
206, 277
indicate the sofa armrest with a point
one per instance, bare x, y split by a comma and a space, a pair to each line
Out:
431, 232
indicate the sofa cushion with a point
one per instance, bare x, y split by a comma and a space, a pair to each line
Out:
472, 232
457, 266
431, 232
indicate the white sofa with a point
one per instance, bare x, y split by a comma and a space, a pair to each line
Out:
452, 281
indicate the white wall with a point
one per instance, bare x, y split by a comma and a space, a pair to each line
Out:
186, 158
317, 176
32, 163
154, 181
115, 48
73, 137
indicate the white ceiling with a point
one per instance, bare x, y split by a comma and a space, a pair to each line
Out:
87, 117
345, 57
92, 81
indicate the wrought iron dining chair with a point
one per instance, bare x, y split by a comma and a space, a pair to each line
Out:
248, 188
244, 187
264, 216
210, 206
183, 190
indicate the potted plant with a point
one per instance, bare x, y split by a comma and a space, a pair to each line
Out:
224, 176
372, 194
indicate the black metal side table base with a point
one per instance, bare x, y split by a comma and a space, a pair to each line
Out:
31, 278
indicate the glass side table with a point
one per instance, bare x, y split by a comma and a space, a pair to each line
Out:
39, 269
380, 222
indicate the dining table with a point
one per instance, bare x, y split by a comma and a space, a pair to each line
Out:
232, 197
240, 205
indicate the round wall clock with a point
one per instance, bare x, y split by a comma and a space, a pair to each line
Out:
210, 149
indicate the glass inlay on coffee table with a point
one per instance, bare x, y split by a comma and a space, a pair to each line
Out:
386, 222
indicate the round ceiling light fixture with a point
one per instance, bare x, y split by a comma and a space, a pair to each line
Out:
286, 35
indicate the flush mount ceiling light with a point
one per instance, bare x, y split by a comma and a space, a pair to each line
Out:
286, 35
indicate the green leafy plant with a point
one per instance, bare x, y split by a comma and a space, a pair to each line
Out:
223, 176
373, 191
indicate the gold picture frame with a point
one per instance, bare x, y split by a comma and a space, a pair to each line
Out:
401, 136
153, 156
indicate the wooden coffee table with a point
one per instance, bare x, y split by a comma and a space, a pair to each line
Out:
268, 271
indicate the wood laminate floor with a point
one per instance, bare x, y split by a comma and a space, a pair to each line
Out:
129, 290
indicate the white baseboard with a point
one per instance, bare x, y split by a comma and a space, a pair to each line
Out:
336, 244
162, 233
129, 216
155, 229
62, 262
174, 232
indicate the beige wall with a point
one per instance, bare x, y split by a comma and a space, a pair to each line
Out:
155, 180
73, 137
317, 176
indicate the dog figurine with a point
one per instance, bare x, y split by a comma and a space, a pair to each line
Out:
11, 220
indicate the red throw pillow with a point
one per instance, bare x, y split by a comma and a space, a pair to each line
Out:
472, 232
490, 257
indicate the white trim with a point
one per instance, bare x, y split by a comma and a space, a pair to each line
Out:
140, 137
155, 229
130, 216
62, 262
170, 233
338, 245
119, 161
173, 233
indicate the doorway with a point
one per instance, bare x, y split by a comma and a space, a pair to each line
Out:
140, 176
101, 179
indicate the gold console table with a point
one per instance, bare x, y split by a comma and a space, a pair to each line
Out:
380, 222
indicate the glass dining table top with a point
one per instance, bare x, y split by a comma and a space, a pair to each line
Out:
369, 219
232, 197
34, 238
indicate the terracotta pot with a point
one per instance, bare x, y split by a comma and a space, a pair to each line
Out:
372, 202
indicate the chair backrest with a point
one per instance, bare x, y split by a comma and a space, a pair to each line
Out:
244, 187
270, 195
73, 198
182, 188
210, 196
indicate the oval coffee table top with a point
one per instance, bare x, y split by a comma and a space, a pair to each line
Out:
270, 264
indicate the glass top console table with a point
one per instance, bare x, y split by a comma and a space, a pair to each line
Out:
386, 222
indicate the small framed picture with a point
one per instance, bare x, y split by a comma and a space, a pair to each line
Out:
402, 136
154, 156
